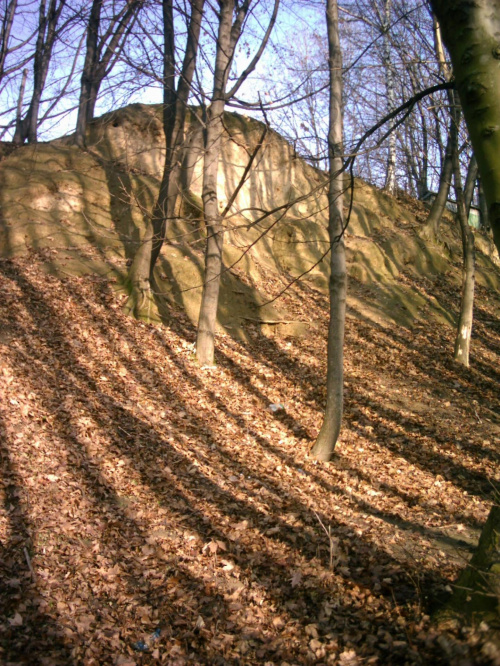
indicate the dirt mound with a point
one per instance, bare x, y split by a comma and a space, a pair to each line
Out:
88, 209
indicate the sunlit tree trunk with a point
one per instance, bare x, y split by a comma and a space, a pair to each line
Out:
215, 232
390, 181
464, 329
228, 35
470, 183
328, 435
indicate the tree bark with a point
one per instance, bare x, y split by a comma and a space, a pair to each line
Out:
470, 183
174, 119
464, 330
328, 435
477, 591
5, 31
471, 32
19, 111
390, 181
97, 66
47, 34
438, 205
483, 207
91, 55
205, 341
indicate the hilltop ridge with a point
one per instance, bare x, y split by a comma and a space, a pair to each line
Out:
85, 210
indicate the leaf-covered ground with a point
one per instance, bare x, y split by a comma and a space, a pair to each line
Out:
157, 512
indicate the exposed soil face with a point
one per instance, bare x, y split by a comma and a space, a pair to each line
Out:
157, 512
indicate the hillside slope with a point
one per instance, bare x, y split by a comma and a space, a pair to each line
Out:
156, 512
88, 209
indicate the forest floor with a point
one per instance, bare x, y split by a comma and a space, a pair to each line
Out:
157, 512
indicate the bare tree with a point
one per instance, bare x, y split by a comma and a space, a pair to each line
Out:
390, 180
470, 32
100, 57
47, 35
229, 33
328, 435
175, 100
464, 329
5, 31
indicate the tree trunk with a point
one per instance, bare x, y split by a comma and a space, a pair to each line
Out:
470, 32
470, 183
477, 591
5, 31
464, 330
47, 34
91, 57
140, 300
328, 435
431, 228
390, 181
18, 131
95, 67
205, 344
483, 207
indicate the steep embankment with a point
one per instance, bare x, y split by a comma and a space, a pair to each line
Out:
87, 210
153, 511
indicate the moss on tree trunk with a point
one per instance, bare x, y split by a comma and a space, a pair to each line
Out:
477, 592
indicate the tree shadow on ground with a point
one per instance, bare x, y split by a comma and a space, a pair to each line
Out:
117, 457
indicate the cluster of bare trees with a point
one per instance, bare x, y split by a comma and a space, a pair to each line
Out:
337, 79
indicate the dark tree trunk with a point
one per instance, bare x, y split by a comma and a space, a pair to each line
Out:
328, 435
91, 58
174, 120
483, 207
47, 33
5, 31
477, 591
97, 65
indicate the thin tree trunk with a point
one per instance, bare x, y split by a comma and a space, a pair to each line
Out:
470, 183
464, 330
483, 207
47, 34
433, 221
328, 435
19, 111
91, 57
205, 341
174, 119
228, 36
5, 34
390, 181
